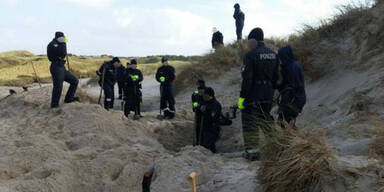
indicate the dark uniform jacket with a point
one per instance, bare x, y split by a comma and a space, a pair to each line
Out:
240, 17
292, 88
57, 52
260, 74
120, 72
110, 76
217, 38
211, 113
197, 98
168, 72
129, 83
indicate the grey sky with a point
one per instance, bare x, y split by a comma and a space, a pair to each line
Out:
148, 27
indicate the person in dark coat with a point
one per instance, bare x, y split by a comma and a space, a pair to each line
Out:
292, 89
57, 53
110, 78
217, 39
260, 76
132, 89
165, 75
211, 112
197, 102
239, 17
120, 80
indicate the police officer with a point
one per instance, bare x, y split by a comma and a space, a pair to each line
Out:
239, 17
260, 75
292, 89
132, 92
217, 39
57, 52
165, 75
197, 102
211, 112
109, 69
120, 80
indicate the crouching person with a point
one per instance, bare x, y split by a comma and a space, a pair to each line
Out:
132, 92
211, 113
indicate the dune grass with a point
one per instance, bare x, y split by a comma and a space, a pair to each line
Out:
310, 43
217, 63
293, 161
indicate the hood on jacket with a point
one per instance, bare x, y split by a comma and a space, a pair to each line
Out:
286, 55
59, 34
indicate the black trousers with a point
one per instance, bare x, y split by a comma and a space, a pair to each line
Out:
59, 75
120, 85
167, 99
239, 31
198, 121
209, 140
254, 118
109, 95
132, 100
287, 114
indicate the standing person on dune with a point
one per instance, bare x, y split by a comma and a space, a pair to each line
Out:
239, 17
132, 92
217, 39
108, 78
57, 53
165, 75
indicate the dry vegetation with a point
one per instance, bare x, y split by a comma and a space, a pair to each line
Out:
220, 61
297, 162
343, 40
16, 67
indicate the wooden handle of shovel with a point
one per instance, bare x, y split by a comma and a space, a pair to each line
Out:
69, 68
192, 177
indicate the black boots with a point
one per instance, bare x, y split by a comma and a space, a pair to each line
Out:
71, 100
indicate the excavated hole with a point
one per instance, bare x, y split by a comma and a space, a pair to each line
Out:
180, 134
177, 136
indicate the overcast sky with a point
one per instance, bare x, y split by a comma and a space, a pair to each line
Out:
147, 27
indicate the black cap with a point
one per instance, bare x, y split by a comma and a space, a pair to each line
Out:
237, 6
59, 34
115, 59
209, 91
200, 84
257, 34
164, 59
133, 62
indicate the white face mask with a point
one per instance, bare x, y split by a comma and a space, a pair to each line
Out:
116, 64
62, 40
132, 66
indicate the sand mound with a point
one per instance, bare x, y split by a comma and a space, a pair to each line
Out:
82, 147
75, 148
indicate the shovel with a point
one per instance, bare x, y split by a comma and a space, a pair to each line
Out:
147, 179
160, 116
192, 177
